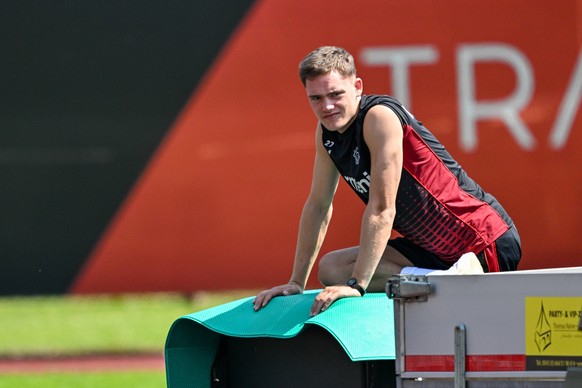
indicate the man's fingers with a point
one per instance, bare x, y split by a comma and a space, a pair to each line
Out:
322, 302
261, 300
329, 295
317, 308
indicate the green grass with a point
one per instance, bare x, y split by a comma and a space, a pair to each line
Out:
57, 325
85, 380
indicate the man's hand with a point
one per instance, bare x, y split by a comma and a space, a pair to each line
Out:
329, 295
265, 297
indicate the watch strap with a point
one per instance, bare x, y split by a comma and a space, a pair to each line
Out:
353, 282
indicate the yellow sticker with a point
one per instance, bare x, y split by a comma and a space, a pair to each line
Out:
553, 339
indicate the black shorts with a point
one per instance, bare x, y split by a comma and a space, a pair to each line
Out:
503, 255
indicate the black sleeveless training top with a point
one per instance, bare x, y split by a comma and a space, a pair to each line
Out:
438, 206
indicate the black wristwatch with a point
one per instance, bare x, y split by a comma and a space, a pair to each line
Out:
353, 282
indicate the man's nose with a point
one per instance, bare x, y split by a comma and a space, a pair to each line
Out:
328, 104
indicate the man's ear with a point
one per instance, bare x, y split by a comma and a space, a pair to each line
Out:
359, 85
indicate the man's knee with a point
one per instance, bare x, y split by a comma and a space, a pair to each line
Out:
326, 269
331, 269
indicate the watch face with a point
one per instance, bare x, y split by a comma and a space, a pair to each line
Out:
352, 282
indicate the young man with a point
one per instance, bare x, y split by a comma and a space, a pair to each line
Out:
409, 183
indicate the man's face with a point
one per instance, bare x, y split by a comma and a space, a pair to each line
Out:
334, 99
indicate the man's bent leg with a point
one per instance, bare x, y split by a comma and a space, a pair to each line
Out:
336, 267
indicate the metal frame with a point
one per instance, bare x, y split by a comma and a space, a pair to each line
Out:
409, 290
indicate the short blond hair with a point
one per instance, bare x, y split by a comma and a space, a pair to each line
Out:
324, 60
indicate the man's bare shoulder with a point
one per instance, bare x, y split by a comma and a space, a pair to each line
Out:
382, 112
381, 119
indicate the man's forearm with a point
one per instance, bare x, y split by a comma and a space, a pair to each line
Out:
312, 231
374, 235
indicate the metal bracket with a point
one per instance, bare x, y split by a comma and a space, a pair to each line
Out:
460, 355
412, 288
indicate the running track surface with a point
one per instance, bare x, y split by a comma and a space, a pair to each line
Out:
96, 363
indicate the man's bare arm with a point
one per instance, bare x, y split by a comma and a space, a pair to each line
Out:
315, 219
383, 135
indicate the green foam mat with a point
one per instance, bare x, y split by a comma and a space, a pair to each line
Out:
364, 327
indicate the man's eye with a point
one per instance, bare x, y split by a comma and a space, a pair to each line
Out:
314, 98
